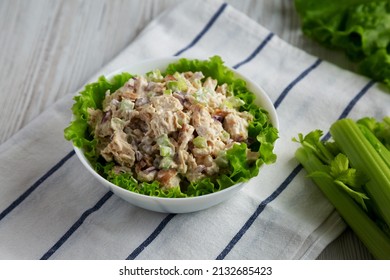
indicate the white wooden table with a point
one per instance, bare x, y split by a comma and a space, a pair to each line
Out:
52, 47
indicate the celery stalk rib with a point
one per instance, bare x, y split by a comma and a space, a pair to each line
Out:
376, 144
363, 156
377, 242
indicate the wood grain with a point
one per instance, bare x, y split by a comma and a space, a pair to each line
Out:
52, 47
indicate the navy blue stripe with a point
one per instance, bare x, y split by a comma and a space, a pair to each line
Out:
257, 212
356, 99
205, 29
151, 237
255, 52
33, 187
76, 225
294, 82
286, 182
352, 104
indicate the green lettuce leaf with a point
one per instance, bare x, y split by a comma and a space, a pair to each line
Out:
360, 28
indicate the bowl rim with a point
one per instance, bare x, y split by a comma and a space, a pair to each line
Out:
264, 99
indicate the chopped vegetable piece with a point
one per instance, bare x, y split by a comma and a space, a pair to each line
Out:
200, 142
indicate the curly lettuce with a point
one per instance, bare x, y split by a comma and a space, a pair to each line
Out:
359, 27
237, 168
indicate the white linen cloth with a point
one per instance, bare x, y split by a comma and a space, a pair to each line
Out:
52, 208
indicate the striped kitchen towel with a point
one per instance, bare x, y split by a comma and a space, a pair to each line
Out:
52, 208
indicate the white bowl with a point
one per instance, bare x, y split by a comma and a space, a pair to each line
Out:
178, 205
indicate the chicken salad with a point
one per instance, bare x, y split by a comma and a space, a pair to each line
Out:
175, 132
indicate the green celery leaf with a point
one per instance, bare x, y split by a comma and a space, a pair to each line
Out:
359, 197
327, 174
313, 142
341, 171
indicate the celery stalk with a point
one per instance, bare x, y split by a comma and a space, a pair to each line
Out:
363, 156
376, 144
376, 241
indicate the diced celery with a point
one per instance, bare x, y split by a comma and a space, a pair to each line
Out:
172, 85
163, 140
200, 96
165, 146
179, 85
221, 160
166, 151
117, 124
154, 76
167, 91
166, 162
200, 142
126, 105
225, 135
233, 102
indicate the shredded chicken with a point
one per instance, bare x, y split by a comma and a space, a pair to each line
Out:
170, 129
